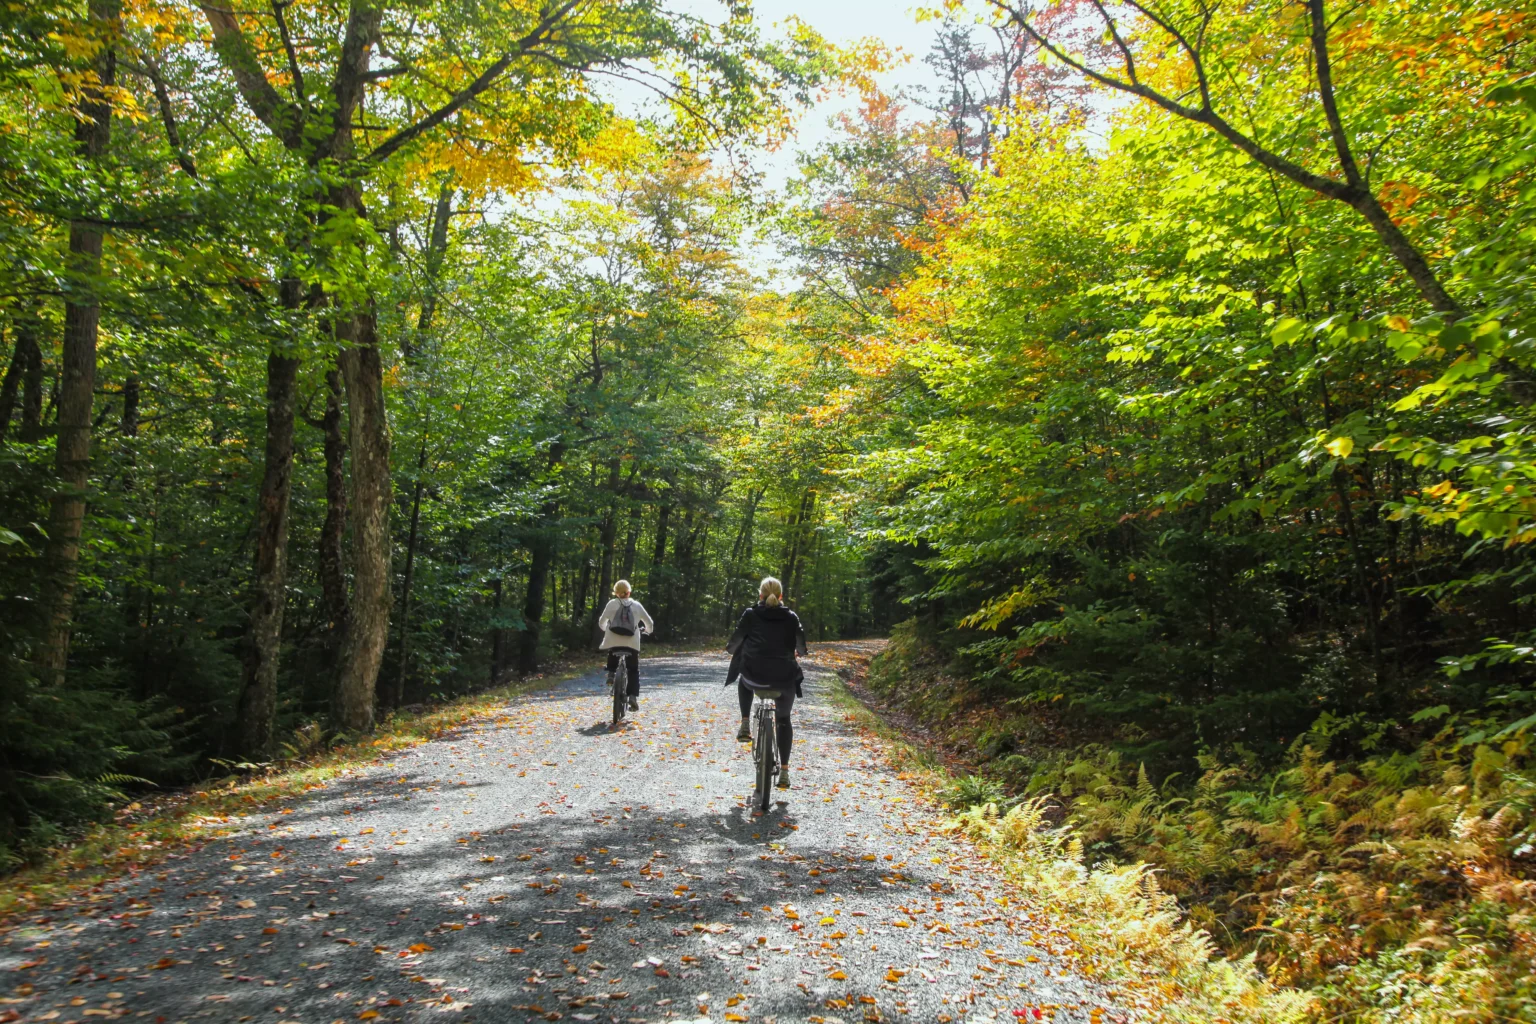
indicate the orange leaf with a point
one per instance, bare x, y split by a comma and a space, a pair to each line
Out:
580, 947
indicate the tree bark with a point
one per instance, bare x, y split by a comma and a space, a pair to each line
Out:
333, 575
77, 383
128, 426
31, 382
410, 575
22, 357
258, 696
368, 437
627, 570
496, 630
542, 551
610, 534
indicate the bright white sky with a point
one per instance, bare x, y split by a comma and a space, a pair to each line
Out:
843, 22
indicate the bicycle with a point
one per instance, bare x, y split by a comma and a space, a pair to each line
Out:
765, 748
618, 683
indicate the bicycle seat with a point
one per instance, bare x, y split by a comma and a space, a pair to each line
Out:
769, 694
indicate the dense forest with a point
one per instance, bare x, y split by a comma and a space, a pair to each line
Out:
1158, 375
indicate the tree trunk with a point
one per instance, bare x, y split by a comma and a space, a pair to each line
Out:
77, 384
659, 553
807, 507
23, 357
410, 576
128, 426
496, 630
31, 382
368, 435
333, 574
538, 580
258, 696
627, 570
542, 550
610, 532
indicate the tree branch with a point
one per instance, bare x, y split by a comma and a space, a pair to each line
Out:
1326, 94
487, 78
1351, 191
285, 120
151, 71
293, 58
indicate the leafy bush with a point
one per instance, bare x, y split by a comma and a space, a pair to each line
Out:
1399, 886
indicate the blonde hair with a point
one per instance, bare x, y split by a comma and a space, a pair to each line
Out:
622, 589
770, 592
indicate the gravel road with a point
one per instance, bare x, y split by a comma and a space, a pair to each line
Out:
535, 866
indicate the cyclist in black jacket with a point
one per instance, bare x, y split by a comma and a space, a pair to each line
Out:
763, 657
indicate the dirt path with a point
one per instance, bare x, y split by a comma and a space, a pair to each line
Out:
537, 867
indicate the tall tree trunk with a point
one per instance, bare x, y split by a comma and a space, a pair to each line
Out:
803, 533
8, 389
82, 320
627, 570
437, 245
368, 436
27, 330
542, 550
610, 533
333, 573
496, 630
23, 380
258, 695
410, 575
128, 426
659, 552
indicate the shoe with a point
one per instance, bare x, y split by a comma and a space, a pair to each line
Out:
783, 776
634, 703
744, 734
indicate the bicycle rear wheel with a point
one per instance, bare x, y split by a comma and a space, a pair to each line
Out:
617, 680
765, 754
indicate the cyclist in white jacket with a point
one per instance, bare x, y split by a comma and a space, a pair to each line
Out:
621, 622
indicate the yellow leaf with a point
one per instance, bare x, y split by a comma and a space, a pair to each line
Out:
829, 920
734, 1016
368, 1015
1340, 447
837, 976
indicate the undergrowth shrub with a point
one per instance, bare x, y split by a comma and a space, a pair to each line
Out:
1119, 915
1399, 886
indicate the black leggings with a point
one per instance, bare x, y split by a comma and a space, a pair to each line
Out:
633, 689
782, 707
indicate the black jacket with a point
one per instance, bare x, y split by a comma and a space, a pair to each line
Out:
763, 649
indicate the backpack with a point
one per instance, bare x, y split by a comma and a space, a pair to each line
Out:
623, 621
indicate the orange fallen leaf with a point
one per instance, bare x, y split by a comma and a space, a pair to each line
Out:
580, 947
